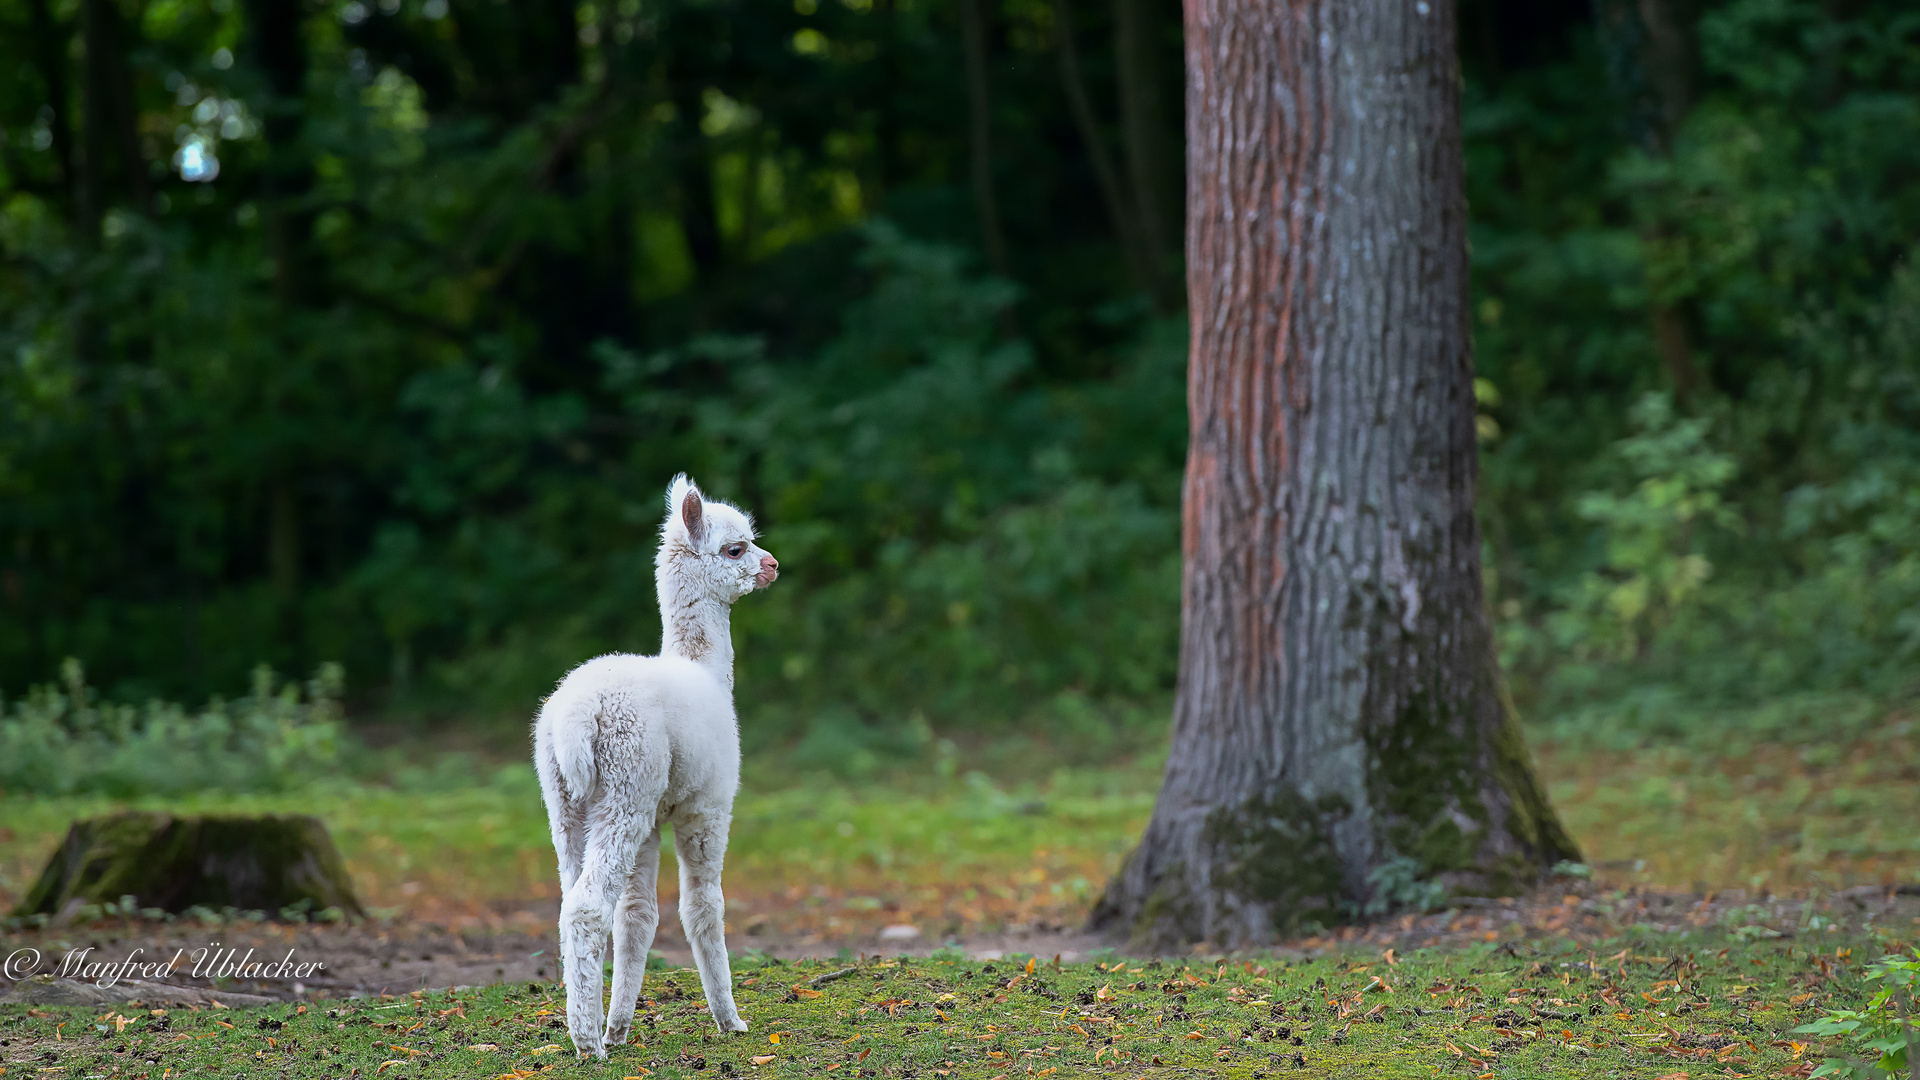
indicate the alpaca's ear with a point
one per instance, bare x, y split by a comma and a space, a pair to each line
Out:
692, 515
685, 505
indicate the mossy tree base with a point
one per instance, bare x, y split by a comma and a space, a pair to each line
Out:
1341, 741
265, 863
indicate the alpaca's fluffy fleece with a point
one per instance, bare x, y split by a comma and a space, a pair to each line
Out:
627, 742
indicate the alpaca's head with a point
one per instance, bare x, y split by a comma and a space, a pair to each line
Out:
707, 549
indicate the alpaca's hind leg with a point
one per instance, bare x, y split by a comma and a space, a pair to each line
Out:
635, 918
614, 839
700, 844
566, 820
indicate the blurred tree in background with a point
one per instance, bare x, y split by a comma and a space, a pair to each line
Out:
371, 332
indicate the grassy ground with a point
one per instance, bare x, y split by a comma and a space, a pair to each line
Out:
1657, 1005
1769, 817
823, 859
465, 844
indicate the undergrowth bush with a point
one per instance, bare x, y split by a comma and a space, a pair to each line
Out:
61, 739
1882, 1030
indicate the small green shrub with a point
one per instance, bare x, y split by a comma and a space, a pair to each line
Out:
61, 739
1881, 1031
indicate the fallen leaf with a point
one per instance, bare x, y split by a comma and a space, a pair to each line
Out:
761, 1059
484, 1048
550, 1048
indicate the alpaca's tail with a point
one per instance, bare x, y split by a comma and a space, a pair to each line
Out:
572, 721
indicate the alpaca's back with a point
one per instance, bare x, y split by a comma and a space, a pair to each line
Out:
643, 723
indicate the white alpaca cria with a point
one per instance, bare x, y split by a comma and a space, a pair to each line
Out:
627, 742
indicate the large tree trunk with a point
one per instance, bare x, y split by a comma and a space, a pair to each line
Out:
1341, 738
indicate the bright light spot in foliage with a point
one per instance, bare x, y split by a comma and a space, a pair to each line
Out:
223, 58
434, 9
195, 163
354, 13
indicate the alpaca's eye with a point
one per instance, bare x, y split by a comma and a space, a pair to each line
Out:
734, 551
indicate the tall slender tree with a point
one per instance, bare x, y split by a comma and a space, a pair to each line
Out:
1342, 741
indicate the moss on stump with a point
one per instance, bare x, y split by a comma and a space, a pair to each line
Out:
265, 863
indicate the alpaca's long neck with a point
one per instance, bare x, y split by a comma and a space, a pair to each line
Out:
697, 628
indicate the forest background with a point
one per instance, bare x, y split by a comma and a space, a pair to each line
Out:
370, 335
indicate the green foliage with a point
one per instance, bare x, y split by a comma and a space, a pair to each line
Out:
1711, 533
62, 739
1403, 883
400, 385
1652, 568
1882, 1029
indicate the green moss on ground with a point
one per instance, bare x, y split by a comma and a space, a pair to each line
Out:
1656, 1004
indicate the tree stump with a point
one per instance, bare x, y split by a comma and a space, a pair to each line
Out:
266, 863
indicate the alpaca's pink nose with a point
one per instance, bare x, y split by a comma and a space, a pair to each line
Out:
769, 569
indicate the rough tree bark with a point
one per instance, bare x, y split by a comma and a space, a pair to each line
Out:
1341, 735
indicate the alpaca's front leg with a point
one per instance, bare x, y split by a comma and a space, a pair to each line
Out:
701, 847
635, 918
